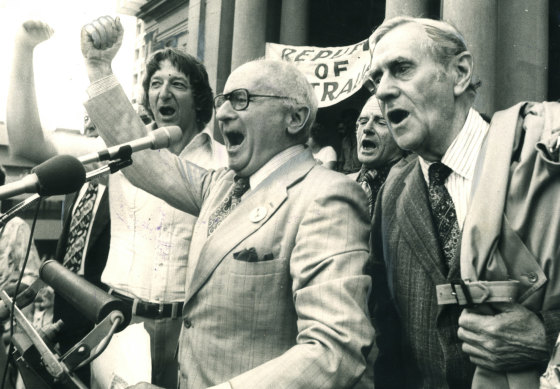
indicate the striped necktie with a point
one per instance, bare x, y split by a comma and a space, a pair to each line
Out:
79, 227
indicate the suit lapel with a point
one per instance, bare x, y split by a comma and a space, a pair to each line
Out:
100, 220
484, 220
69, 202
417, 226
241, 223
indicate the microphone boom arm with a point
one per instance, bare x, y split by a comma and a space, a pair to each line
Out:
110, 168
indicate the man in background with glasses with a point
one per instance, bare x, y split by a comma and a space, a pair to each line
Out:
276, 291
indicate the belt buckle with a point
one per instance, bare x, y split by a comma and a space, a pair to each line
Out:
464, 289
160, 309
134, 306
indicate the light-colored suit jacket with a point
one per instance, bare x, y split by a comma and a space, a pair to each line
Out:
276, 296
513, 228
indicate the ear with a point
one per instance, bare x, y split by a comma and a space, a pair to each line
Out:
463, 70
297, 119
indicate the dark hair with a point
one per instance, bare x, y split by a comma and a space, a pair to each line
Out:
198, 77
319, 134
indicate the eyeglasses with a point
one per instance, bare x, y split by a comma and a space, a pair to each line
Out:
239, 99
371, 84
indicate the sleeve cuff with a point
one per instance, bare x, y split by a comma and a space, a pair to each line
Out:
551, 320
102, 85
224, 385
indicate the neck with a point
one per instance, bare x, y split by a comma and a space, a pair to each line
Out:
378, 167
178, 147
457, 122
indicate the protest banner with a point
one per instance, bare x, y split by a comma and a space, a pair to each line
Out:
335, 73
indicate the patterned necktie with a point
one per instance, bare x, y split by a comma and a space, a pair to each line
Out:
229, 203
372, 180
443, 211
79, 226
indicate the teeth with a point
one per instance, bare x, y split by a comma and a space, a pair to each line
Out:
167, 110
367, 144
397, 116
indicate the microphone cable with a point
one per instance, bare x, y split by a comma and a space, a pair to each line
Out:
22, 270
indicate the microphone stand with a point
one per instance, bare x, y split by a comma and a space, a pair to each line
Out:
39, 367
122, 160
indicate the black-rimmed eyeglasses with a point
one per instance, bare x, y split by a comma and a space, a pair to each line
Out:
239, 99
371, 84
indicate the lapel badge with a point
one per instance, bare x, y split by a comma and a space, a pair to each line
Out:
257, 214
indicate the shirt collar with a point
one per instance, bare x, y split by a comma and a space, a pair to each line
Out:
462, 154
203, 138
275, 162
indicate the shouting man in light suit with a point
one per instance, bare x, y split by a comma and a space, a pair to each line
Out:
275, 291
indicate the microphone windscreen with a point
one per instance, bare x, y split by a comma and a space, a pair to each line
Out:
165, 136
62, 174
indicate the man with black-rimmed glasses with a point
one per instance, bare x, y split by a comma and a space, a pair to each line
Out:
275, 292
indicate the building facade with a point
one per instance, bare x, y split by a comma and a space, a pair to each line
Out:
516, 43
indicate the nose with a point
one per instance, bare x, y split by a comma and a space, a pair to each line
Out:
387, 88
368, 127
165, 92
226, 112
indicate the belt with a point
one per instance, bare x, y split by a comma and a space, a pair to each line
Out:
466, 293
151, 310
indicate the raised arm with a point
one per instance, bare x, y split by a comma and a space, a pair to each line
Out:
160, 173
26, 136
22, 117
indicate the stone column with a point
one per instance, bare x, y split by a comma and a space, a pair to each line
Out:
476, 19
195, 16
522, 52
218, 31
416, 8
249, 31
294, 22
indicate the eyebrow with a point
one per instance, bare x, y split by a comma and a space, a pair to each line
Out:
172, 77
398, 59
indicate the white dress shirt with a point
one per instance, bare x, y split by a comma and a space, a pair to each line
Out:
150, 240
461, 158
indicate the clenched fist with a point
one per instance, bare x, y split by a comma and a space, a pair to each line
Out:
100, 42
33, 32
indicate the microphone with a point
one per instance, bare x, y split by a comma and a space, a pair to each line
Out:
158, 139
91, 301
62, 174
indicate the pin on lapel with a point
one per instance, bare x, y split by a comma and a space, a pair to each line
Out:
257, 214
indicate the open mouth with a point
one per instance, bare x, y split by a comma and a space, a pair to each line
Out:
167, 111
368, 144
398, 115
235, 138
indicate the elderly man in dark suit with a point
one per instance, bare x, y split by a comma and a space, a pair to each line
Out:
472, 183
377, 150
